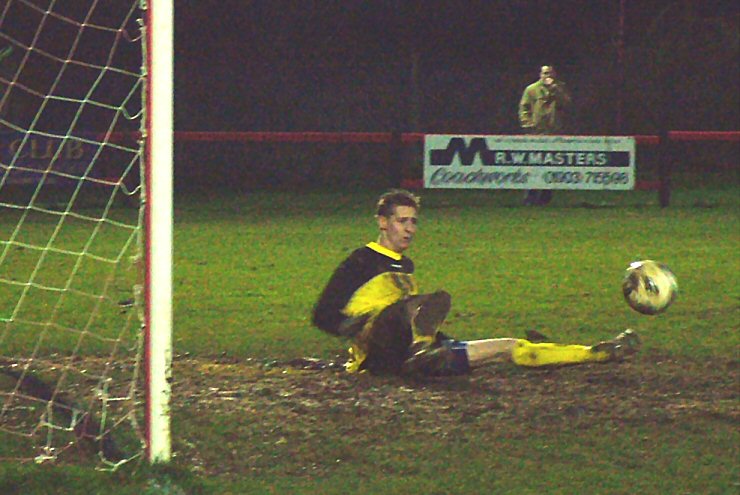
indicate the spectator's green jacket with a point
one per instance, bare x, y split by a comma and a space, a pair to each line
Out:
541, 108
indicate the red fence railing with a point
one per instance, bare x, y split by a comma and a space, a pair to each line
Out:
405, 137
662, 185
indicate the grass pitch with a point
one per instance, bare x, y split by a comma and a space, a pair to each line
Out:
253, 415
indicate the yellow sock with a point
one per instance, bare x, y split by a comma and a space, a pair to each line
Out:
526, 353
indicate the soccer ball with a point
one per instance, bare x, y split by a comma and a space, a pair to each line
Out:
649, 287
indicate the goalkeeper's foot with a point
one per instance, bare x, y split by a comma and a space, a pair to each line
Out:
623, 345
426, 359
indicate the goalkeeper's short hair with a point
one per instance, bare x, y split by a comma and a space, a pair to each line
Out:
396, 197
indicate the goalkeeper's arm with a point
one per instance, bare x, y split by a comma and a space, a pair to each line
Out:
327, 313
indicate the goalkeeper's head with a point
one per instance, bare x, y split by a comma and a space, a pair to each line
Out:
397, 212
396, 197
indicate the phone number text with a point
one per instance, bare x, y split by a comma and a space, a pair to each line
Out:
576, 177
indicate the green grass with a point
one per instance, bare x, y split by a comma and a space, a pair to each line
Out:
557, 269
249, 268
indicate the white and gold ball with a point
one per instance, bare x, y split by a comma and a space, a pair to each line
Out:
649, 287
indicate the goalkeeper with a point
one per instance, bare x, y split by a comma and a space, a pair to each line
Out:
373, 299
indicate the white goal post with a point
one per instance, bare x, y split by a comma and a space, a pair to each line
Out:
159, 213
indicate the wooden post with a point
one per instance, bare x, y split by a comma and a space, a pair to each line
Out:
665, 165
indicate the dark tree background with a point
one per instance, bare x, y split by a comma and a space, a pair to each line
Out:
431, 65
435, 66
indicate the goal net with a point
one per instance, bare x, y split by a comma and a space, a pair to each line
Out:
76, 352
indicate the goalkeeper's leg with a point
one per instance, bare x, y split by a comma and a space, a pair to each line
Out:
458, 357
526, 353
426, 313
398, 331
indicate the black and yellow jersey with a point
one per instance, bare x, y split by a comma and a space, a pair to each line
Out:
368, 280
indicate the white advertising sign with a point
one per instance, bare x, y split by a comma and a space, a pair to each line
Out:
529, 162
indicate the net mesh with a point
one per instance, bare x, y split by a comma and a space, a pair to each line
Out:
72, 83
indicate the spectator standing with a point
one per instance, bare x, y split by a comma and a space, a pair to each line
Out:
542, 111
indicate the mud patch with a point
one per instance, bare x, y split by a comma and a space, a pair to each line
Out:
309, 415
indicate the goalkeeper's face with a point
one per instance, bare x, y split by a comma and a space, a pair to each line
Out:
398, 230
